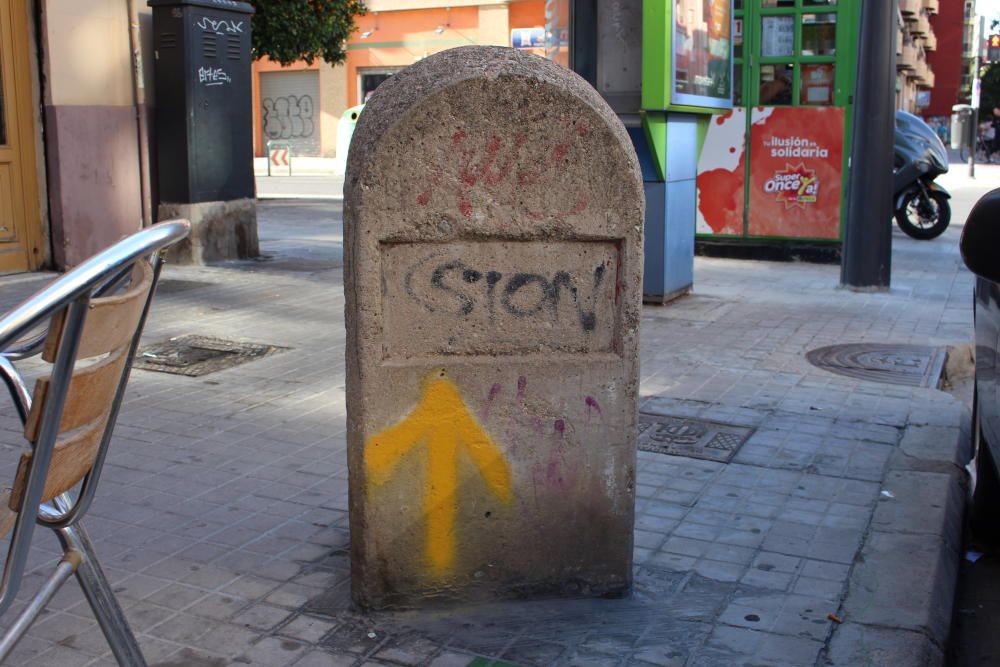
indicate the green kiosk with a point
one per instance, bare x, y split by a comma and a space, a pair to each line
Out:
665, 67
687, 76
740, 112
772, 172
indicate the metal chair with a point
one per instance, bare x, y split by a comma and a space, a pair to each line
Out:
95, 315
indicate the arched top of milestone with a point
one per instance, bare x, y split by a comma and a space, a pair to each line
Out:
429, 81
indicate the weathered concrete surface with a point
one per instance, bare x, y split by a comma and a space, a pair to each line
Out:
220, 230
902, 589
906, 582
922, 503
863, 646
942, 449
493, 266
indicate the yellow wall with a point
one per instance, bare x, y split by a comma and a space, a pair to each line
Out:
494, 25
87, 52
333, 102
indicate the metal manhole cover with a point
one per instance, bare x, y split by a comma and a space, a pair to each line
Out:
911, 365
195, 356
693, 438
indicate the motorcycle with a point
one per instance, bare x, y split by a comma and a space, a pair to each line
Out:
921, 205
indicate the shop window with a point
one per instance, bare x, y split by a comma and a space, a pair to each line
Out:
795, 44
372, 80
776, 82
819, 34
817, 84
738, 39
738, 85
740, 50
777, 36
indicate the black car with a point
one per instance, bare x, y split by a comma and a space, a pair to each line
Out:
980, 241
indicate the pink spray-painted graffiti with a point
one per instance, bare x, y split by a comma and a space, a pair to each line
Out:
526, 418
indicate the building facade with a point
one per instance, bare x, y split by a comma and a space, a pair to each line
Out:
71, 163
301, 104
915, 39
952, 60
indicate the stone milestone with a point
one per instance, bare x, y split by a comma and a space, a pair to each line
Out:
493, 271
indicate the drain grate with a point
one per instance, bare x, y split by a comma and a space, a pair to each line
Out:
693, 438
195, 356
911, 365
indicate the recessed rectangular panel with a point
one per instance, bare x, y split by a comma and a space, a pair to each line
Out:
498, 298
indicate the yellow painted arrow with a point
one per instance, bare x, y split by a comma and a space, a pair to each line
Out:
442, 421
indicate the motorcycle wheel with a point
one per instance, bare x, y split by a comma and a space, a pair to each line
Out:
924, 220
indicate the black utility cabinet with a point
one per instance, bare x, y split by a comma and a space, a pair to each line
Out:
204, 125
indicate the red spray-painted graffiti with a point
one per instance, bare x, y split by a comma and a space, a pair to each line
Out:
492, 167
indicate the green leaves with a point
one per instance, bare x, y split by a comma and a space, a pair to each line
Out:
990, 96
289, 30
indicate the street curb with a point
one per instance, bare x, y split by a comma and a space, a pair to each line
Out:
901, 592
294, 197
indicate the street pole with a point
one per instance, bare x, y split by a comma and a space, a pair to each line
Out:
977, 41
973, 139
867, 252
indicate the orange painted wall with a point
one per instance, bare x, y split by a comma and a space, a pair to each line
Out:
399, 39
527, 14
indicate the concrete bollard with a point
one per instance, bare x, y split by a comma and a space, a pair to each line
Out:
493, 271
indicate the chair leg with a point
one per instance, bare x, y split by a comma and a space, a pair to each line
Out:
101, 598
24, 620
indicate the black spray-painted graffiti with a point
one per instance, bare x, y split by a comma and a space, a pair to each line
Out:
288, 117
522, 295
220, 25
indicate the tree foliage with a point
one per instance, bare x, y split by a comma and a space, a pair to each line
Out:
989, 97
289, 30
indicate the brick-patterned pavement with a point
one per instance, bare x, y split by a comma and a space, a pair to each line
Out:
222, 516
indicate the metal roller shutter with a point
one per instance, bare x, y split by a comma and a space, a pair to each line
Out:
290, 109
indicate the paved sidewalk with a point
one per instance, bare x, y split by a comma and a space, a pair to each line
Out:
222, 517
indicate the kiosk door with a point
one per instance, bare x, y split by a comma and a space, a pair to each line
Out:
774, 168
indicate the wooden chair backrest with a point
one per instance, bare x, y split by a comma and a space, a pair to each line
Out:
108, 329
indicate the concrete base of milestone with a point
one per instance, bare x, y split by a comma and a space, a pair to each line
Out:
220, 230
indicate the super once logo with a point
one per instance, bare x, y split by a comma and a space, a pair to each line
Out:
796, 186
